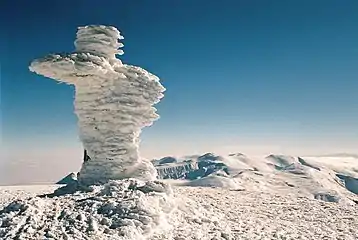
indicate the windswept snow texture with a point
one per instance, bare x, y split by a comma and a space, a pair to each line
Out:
127, 209
274, 197
200, 213
99, 40
113, 102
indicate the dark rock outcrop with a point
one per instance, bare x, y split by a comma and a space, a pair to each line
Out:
69, 179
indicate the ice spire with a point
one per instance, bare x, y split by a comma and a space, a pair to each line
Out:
113, 102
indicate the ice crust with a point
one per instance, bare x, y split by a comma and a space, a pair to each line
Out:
213, 213
117, 210
113, 102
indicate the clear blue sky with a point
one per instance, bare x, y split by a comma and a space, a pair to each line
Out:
249, 76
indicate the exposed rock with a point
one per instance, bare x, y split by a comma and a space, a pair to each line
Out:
327, 196
69, 179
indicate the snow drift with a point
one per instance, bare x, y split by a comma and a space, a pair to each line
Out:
113, 102
127, 209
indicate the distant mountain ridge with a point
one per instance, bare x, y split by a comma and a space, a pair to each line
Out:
315, 178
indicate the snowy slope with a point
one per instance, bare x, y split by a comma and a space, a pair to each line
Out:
325, 178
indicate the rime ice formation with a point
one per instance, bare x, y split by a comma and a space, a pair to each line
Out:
118, 210
113, 102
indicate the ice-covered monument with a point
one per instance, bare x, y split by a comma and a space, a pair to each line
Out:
113, 102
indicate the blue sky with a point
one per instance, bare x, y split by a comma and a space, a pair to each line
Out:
246, 76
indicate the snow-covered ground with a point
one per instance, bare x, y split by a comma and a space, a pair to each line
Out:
217, 197
220, 213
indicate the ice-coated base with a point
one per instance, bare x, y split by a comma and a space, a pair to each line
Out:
118, 210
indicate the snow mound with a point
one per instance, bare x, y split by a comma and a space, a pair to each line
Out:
123, 209
311, 165
280, 161
214, 181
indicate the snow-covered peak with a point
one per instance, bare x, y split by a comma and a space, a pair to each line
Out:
237, 155
208, 157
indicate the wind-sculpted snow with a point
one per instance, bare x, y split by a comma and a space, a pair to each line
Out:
119, 210
200, 213
99, 40
113, 102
